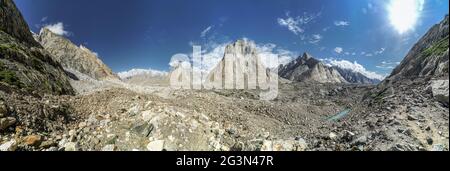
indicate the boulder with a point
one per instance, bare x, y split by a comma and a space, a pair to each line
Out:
157, 145
9, 146
440, 90
7, 122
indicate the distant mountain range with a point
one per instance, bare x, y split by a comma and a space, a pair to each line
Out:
308, 69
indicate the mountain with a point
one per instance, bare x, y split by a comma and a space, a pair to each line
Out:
75, 57
428, 57
355, 77
145, 77
241, 61
308, 69
24, 64
426, 65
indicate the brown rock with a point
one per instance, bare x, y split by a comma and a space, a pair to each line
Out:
33, 140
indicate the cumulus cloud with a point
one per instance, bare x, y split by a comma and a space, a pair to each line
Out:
135, 72
271, 51
58, 28
354, 66
338, 50
341, 23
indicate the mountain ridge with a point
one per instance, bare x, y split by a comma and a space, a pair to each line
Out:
75, 57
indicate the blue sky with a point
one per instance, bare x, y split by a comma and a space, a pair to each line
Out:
146, 33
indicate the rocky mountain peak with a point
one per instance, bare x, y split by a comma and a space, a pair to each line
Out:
73, 57
306, 56
243, 47
308, 69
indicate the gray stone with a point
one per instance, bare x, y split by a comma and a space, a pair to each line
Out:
9, 146
7, 122
3, 109
109, 147
412, 118
71, 146
157, 145
332, 136
360, 141
440, 90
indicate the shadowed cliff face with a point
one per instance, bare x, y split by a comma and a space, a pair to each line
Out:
24, 64
12, 23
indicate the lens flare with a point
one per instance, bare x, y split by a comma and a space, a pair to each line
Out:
403, 14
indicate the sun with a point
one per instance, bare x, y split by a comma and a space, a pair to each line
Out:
403, 14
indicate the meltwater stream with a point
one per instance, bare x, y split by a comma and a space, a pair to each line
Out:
340, 115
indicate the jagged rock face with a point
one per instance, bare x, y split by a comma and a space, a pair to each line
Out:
355, 77
74, 57
12, 23
429, 57
308, 69
24, 65
242, 63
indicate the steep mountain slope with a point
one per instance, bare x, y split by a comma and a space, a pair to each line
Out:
307, 69
409, 111
12, 23
429, 57
24, 64
74, 57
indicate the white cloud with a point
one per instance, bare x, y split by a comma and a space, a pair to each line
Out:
347, 53
204, 32
292, 24
44, 19
387, 65
354, 66
296, 24
315, 38
369, 55
381, 51
135, 72
58, 28
270, 50
338, 50
341, 23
